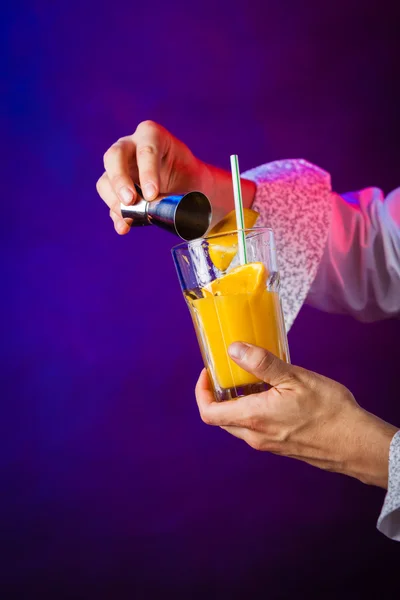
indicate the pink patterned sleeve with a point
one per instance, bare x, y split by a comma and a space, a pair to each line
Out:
293, 198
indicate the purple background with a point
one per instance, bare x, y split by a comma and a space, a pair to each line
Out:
111, 485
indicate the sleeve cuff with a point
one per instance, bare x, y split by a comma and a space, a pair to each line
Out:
389, 519
293, 198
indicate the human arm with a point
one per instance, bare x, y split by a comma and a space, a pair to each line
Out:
161, 163
311, 418
340, 253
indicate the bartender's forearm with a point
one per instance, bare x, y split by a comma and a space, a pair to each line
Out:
366, 454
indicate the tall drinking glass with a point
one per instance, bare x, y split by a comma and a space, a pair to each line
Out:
230, 302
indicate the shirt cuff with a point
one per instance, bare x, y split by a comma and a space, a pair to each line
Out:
293, 198
389, 519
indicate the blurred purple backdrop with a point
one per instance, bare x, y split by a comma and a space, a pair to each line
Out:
112, 486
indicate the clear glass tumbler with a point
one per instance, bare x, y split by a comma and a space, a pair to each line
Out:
230, 302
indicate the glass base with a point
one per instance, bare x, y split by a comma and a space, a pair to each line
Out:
244, 390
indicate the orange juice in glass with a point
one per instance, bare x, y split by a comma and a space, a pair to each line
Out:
230, 302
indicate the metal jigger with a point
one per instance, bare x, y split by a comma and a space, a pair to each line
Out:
187, 215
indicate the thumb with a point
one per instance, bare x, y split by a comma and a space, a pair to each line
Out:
262, 363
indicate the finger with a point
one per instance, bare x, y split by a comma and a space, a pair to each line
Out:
263, 364
239, 432
106, 193
150, 143
116, 163
122, 226
230, 412
203, 389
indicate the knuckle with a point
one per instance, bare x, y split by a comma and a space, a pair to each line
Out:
122, 140
146, 126
205, 417
146, 150
256, 442
273, 447
263, 362
115, 212
264, 443
117, 182
277, 435
252, 422
293, 381
250, 417
112, 152
344, 391
306, 380
100, 183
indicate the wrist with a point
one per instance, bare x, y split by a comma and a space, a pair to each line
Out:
367, 457
217, 185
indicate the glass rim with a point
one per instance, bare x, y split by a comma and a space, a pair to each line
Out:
191, 243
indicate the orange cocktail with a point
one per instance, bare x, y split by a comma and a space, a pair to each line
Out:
240, 303
237, 307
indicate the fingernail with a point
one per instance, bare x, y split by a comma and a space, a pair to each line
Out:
150, 191
126, 195
237, 350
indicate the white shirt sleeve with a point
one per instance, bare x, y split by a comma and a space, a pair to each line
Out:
359, 273
389, 519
